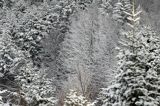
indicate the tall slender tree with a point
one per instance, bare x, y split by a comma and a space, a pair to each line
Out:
89, 48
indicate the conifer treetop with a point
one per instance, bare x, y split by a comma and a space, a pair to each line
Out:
133, 16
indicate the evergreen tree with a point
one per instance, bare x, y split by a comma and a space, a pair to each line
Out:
127, 5
36, 88
118, 12
9, 60
138, 81
106, 6
22, 42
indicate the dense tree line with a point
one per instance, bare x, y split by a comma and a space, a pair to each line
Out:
68, 52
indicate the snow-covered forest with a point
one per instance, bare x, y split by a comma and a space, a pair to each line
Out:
79, 53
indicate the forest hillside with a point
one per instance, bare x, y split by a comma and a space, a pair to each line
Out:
79, 53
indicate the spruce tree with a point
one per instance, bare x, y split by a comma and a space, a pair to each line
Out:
138, 81
37, 89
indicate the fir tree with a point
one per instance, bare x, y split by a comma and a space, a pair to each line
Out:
9, 59
36, 88
119, 11
138, 81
